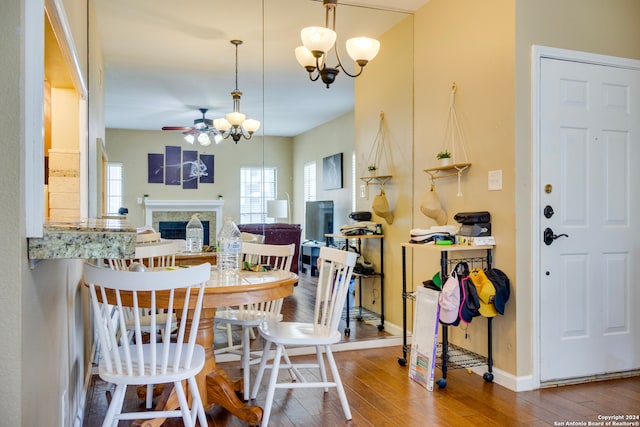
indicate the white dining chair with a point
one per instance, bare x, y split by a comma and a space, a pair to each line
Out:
249, 316
150, 256
125, 363
336, 270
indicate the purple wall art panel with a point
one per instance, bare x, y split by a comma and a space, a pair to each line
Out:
172, 165
190, 169
155, 168
206, 168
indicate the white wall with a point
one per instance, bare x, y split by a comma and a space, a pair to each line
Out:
42, 360
12, 224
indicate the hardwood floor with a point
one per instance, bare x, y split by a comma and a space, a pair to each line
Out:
381, 394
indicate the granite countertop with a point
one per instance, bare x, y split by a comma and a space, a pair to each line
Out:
86, 239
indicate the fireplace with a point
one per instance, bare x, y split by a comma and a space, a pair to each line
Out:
178, 230
157, 211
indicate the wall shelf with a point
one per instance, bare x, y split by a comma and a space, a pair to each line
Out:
458, 167
376, 179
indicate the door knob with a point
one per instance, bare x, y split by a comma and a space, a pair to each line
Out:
549, 237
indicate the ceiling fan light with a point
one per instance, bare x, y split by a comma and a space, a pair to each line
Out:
318, 39
199, 124
204, 139
236, 118
251, 125
222, 125
189, 138
362, 49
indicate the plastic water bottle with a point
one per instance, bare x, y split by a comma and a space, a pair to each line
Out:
194, 234
230, 248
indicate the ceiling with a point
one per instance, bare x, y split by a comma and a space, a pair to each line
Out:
166, 59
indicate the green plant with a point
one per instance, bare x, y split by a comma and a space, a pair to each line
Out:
443, 155
372, 167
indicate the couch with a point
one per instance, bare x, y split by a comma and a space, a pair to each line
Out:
278, 234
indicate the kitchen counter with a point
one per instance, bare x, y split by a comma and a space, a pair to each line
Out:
86, 239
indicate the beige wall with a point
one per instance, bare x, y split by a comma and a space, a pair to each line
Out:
386, 86
485, 49
132, 146
336, 136
472, 44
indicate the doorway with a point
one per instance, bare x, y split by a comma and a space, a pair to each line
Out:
586, 191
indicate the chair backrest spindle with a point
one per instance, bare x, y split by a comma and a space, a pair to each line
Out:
336, 270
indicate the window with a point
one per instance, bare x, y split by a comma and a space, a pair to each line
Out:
257, 185
309, 181
114, 187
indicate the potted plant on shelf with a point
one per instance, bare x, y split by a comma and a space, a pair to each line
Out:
372, 169
444, 157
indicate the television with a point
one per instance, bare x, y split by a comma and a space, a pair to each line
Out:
318, 220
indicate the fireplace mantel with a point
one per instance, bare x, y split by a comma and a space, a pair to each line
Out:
152, 205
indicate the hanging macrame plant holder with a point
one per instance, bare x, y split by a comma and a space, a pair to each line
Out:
379, 171
454, 143
378, 160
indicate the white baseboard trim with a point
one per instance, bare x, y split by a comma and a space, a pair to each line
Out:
394, 330
507, 380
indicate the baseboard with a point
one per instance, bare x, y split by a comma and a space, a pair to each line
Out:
505, 379
393, 329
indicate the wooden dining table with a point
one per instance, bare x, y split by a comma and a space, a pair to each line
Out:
222, 290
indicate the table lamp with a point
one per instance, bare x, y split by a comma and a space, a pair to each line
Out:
278, 209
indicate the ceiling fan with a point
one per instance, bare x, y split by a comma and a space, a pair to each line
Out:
202, 130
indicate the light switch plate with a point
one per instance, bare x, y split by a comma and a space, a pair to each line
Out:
495, 180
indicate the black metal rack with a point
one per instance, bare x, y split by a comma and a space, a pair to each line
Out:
471, 359
380, 274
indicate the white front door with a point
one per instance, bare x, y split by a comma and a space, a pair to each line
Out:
590, 203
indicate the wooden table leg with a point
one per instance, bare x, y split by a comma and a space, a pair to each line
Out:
214, 384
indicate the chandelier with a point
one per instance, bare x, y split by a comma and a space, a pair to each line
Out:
235, 125
318, 41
